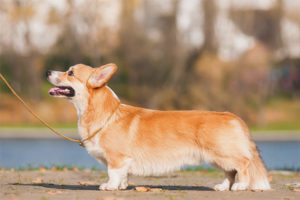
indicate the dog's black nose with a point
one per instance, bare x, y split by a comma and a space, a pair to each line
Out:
48, 73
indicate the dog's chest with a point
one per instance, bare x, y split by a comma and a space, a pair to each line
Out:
95, 151
93, 145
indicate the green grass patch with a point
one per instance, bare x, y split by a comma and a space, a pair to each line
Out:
280, 126
199, 168
282, 113
39, 126
57, 168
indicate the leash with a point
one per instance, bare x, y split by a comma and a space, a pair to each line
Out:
81, 142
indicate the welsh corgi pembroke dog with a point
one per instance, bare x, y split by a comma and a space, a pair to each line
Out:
139, 141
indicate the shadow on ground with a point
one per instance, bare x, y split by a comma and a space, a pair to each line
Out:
96, 187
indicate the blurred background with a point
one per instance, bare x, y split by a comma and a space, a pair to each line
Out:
237, 56
221, 55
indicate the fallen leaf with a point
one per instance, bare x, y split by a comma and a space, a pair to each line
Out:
142, 189
75, 169
38, 181
42, 169
53, 169
270, 177
65, 169
86, 183
12, 170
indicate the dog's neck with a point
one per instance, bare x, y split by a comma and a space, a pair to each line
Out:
94, 110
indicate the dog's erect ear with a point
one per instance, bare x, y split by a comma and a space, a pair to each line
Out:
101, 75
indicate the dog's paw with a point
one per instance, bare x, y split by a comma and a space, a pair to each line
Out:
221, 187
107, 186
123, 185
239, 186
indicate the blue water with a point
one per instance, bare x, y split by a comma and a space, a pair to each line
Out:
18, 153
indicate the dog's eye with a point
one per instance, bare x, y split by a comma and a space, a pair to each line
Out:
70, 73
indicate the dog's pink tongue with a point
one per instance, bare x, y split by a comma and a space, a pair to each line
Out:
53, 90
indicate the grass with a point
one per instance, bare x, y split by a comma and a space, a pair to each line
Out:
39, 126
294, 169
281, 113
57, 168
199, 168
280, 126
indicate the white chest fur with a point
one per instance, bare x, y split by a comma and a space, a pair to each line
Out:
93, 145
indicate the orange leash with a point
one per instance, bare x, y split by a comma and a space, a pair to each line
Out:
46, 124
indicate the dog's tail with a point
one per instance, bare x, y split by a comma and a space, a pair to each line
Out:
258, 173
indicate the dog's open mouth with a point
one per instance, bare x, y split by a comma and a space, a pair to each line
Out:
62, 91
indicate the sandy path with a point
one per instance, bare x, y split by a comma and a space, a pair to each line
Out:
179, 185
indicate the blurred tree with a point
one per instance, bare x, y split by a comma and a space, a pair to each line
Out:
25, 62
159, 66
264, 25
210, 10
78, 41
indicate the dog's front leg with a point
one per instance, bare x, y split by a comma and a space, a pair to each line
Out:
117, 179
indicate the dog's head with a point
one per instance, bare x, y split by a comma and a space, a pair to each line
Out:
79, 80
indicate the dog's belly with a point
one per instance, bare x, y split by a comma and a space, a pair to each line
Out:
165, 162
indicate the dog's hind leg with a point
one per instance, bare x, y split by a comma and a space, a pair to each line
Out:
243, 178
228, 181
233, 167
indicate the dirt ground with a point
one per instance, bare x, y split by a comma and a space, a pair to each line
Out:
83, 184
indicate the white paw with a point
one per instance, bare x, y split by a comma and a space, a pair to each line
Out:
107, 186
221, 187
239, 186
123, 185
